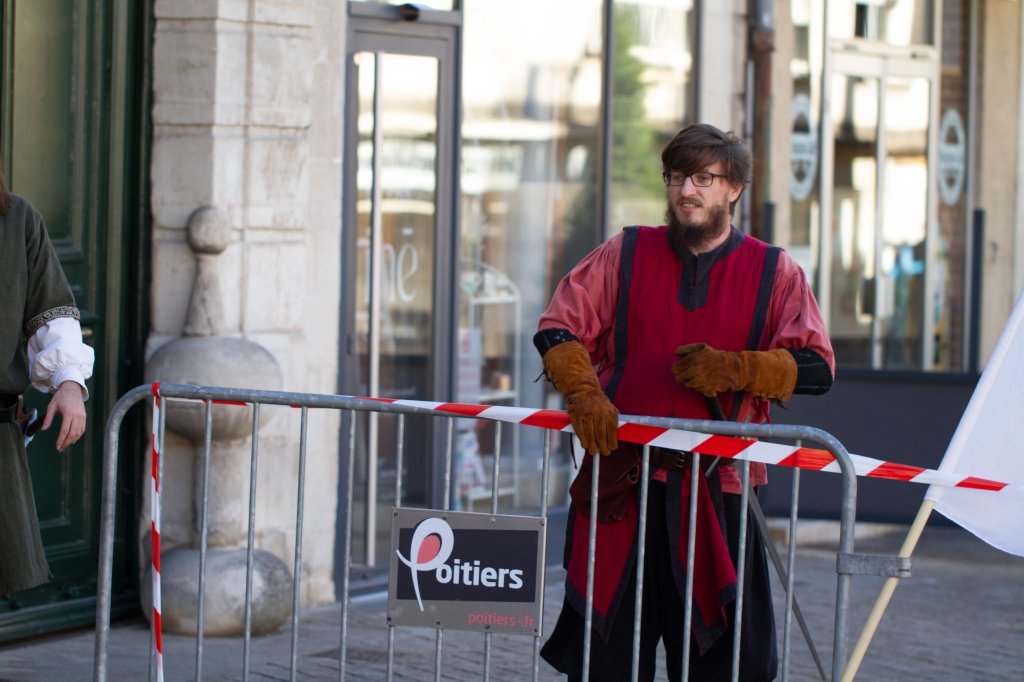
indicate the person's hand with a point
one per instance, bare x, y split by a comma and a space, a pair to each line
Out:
767, 374
593, 416
69, 404
594, 420
708, 371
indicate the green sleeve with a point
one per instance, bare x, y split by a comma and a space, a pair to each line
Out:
48, 295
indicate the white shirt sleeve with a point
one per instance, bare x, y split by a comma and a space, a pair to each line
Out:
57, 354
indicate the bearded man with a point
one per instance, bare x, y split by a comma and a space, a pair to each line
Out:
659, 321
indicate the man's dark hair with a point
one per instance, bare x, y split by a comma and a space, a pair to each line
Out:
5, 198
700, 145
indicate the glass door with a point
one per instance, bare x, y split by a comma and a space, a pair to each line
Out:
398, 237
880, 252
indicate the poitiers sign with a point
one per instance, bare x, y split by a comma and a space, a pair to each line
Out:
466, 571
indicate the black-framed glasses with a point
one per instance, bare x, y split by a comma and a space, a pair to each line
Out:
701, 179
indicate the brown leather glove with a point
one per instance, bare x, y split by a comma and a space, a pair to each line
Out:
594, 419
768, 374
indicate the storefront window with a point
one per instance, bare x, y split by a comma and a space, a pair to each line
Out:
530, 196
431, 4
949, 306
896, 22
653, 98
884, 240
805, 161
901, 281
854, 217
531, 99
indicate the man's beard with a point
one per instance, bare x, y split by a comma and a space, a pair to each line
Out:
695, 236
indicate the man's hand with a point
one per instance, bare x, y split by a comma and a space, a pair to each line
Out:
708, 371
67, 402
767, 374
594, 418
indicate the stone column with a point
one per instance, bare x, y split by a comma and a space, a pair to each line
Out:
206, 356
248, 116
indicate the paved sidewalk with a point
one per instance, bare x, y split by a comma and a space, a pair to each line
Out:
960, 618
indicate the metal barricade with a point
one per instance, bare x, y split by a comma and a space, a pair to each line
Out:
847, 563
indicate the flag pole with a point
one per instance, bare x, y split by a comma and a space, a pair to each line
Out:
882, 602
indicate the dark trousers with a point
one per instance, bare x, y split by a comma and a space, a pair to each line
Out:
662, 617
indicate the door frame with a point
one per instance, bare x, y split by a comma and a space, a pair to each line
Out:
111, 183
435, 33
881, 61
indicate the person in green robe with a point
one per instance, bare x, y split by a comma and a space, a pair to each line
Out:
40, 344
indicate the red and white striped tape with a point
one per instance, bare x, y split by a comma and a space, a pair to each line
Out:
720, 446
154, 533
729, 447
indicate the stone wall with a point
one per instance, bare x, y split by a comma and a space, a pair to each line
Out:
996, 163
247, 118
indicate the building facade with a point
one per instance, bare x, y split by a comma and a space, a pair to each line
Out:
405, 184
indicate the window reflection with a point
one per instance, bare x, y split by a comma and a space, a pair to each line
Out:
896, 22
396, 187
531, 136
432, 4
904, 222
853, 286
893, 289
653, 99
531, 101
805, 69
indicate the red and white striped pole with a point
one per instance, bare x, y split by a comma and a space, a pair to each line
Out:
154, 534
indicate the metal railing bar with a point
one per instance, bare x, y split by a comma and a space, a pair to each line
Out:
448, 463
437, 652
449, 450
346, 578
780, 570
391, 653
108, 495
545, 479
250, 543
495, 470
399, 465
846, 521
591, 553
399, 460
746, 430
691, 544
355, 405
641, 558
204, 529
487, 657
299, 517
790, 566
741, 568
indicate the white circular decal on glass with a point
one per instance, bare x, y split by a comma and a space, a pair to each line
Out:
804, 154
952, 157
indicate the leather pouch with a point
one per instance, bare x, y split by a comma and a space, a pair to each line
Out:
620, 472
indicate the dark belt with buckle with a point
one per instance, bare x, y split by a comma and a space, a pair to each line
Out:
8, 408
676, 459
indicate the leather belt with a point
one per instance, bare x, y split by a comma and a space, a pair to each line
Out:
676, 459
8, 408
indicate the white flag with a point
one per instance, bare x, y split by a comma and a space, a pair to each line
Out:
989, 443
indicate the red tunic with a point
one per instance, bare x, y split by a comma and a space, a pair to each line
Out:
632, 302
585, 303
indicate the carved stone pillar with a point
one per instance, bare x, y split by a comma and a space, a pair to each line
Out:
206, 356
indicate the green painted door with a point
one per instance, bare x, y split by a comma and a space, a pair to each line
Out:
73, 94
